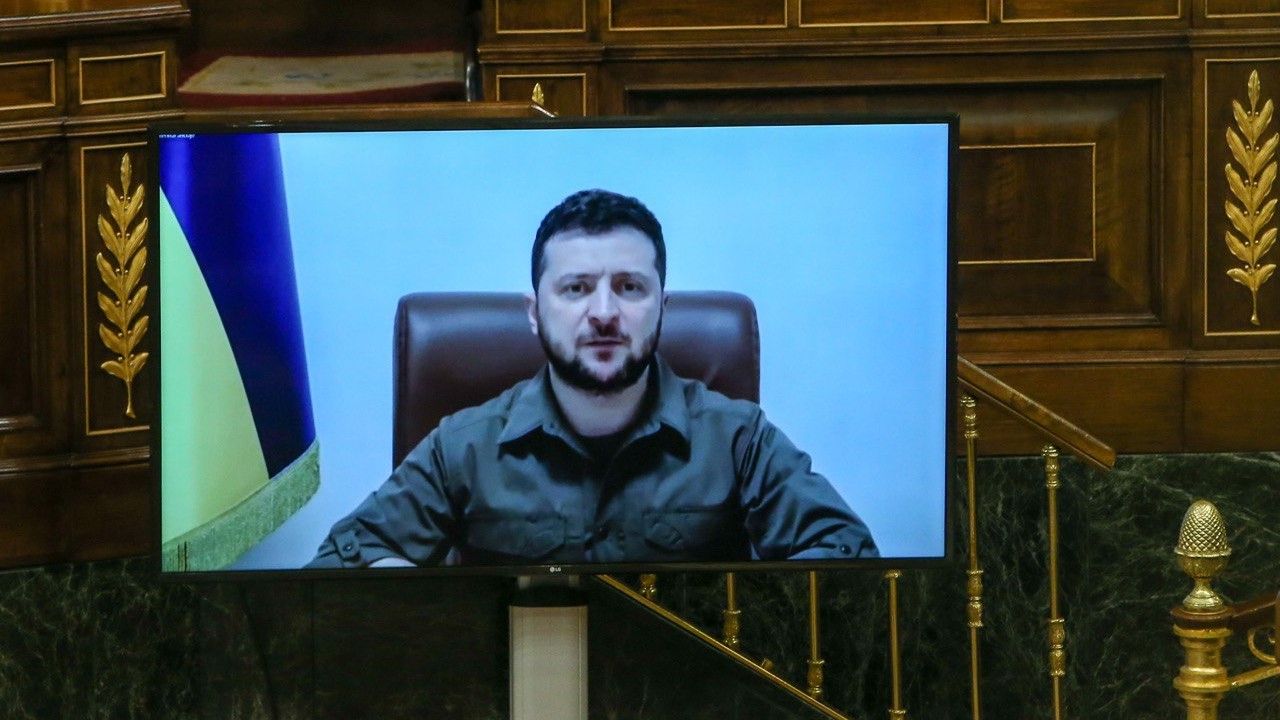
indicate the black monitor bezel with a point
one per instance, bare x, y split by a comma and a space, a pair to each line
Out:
263, 123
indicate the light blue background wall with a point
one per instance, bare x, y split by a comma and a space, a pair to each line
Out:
837, 234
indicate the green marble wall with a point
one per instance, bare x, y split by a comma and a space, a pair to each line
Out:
106, 640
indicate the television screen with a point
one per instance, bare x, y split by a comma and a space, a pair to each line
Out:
554, 346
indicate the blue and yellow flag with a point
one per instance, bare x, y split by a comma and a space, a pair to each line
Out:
238, 450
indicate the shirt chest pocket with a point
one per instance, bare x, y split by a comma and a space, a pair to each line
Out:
531, 537
712, 532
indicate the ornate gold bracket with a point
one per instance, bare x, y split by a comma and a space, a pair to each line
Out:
538, 97
122, 276
1251, 184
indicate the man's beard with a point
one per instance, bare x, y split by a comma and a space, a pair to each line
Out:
572, 370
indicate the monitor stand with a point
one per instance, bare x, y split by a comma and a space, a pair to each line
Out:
548, 625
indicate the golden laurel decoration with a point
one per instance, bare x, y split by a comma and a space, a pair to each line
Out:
1251, 184
122, 275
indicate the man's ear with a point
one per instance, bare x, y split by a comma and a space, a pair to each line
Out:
531, 310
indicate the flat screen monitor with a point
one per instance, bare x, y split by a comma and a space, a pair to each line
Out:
554, 346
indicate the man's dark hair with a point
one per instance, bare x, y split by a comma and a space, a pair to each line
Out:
595, 212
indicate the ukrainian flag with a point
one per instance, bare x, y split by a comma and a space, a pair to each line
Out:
238, 449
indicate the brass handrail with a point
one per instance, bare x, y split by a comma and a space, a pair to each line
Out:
760, 669
1061, 432
976, 383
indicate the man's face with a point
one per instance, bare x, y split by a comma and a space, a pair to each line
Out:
598, 309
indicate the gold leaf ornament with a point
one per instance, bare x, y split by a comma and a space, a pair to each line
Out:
1251, 179
122, 275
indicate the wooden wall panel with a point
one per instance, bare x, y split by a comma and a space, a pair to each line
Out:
106, 79
1101, 220
538, 16
1226, 401
66, 513
19, 353
30, 502
106, 512
829, 13
78, 84
564, 93
1088, 10
705, 15
1228, 304
112, 405
1240, 9
1020, 190
29, 87
286, 25
33, 282
1134, 407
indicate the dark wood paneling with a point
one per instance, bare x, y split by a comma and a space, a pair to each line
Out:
1134, 408
1233, 407
1027, 204
875, 12
105, 512
107, 399
28, 86
1228, 304
71, 486
33, 300
70, 514
290, 25
122, 77
1241, 8
673, 14
19, 205
538, 16
29, 532
1015, 10
1108, 129
564, 93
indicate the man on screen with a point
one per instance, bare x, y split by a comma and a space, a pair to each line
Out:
605, 455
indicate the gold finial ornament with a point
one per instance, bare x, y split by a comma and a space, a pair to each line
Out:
1251, 179
1202, 552
649, 586
732, 615
123, 277
539, 97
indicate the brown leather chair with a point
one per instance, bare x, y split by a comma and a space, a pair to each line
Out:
455, 350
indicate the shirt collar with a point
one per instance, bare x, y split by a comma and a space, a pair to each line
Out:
534, 408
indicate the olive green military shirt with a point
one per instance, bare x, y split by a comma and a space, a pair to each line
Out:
698, 477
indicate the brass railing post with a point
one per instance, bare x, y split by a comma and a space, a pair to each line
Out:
896, 712
732, 615
815, 654
1200, 623
649, 586
974, 573
1057, 625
